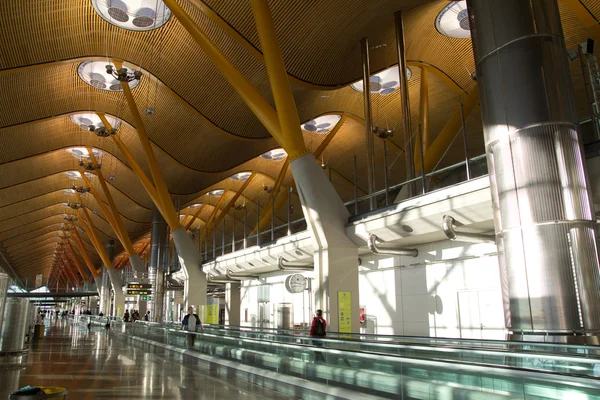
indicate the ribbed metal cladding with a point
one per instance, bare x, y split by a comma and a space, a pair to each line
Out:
4, 281
12, 338
545, 227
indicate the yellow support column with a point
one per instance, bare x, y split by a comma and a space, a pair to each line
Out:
336, 268
117, 222
259, 106
74, 258
280, 85
194, 217
212, 216
86, 256
115, 278
137, 169
423, 119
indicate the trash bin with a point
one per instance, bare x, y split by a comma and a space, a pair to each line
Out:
38, 332
39, 393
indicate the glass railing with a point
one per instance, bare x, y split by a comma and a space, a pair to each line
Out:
386, 375
217, 246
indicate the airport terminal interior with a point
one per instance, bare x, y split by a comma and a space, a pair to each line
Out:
316, 199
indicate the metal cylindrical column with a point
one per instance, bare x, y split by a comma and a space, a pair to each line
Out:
545, 226
157, 259
4, 281
370, 142
408, 144
110, 251
12, 338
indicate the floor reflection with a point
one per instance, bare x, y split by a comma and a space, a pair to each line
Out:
93, 366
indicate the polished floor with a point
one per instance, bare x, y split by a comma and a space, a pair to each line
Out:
92, 365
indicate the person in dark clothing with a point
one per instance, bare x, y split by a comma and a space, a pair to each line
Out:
147, 316
191, 323
318, 330
126, 316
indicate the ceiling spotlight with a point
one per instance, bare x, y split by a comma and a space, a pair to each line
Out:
383, 133
149, 110
112, 177
267, 189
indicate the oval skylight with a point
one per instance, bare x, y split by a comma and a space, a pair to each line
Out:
274, 155
453, 21
217, 192
323, 124
135, 15
196, 205
94, 74
241, 176
384, 82
69, 192
73, 174
89, 121
82, 152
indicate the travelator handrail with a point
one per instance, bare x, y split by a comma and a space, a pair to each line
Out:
262, 352
395, 338
551, 362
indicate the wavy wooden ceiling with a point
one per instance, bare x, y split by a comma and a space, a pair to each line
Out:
201, 130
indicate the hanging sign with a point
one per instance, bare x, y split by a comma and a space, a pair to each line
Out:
135, 292
345, 312
139, 286
38, 280
211, 312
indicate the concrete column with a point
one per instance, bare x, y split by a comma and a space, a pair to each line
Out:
545, 224
116, 283
232, 304
104, 292
336, 256
194, 292
159, 255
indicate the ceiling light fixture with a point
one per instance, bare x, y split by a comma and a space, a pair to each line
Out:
384, 82
275, 155
135, 15
323, 124
92, 122
107, 77
453, 20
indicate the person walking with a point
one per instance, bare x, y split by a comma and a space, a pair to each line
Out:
147, 316
318, 330
191, 323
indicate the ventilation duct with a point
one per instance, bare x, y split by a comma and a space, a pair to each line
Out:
448, 224
237, 277
375, 249
284, 265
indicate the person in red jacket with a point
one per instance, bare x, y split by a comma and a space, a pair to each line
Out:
319, 325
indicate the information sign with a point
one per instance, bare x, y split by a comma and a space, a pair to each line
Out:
38, 280
146, 298
211, 312
136, 292
345, 312
139, 286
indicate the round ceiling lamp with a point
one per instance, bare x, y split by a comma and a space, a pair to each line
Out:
274, 155
241, 176
384, 82
95, 73
453, 20
134, 15
218, 192
92, 122
82, 152
323, 124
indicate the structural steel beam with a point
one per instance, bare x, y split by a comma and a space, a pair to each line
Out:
83, 251
423, 119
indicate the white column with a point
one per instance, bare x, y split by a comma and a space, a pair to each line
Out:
232, 304
194, 291
336, 256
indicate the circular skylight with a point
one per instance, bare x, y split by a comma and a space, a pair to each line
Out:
196, 205
91, 121
323, 124
384, 82
94, 74
217, 192
453, 21
135, 15
274, 155
73, 175
241, 176
82, 152
69, 192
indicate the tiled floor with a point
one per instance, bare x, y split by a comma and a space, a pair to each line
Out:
92, 365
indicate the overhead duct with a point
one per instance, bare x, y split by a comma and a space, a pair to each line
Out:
399, 251
237, 278
213, 280
448, 225
284, 265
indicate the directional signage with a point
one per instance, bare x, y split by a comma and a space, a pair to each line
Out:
139, 286
136, 292
146, 298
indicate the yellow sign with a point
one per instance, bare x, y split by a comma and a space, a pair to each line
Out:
211, 315
345, 312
